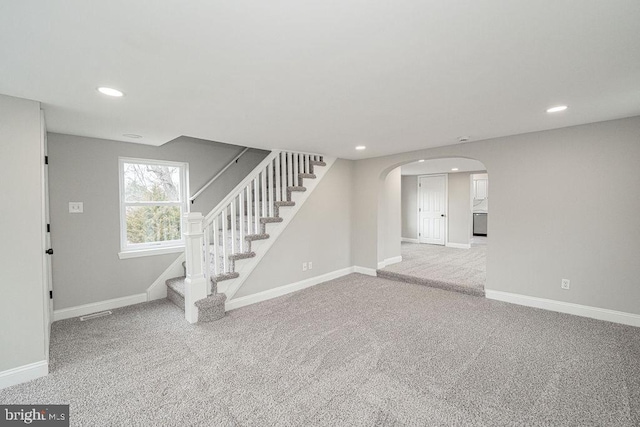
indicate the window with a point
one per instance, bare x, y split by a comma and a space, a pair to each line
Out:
153, 196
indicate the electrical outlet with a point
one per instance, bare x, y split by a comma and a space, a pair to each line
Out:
565, 284
310, 265
76, 207
304, 266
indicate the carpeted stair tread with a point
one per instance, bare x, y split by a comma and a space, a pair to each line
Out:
290, 190
317, 163
307, 175
226, 276
270, 219
440, 284
211, 308
242, 255
284, 203
175, 291
252, 237
176, 284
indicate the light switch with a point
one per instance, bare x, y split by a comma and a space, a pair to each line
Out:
76, 207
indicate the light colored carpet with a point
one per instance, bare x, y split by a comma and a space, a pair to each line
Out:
460, 270
356, 351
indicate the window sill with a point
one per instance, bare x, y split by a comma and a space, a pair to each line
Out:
150, 252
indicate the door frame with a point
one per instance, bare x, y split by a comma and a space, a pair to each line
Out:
46, 237
446, 206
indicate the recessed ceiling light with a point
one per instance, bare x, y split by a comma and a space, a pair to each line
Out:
110, 91
360, 147
557, 109
454, 169
421, 161
132, 135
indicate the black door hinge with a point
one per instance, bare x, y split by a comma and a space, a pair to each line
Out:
50, 294
46, 160
48, 228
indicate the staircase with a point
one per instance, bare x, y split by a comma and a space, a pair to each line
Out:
225, 246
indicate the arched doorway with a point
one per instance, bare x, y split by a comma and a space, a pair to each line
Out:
432, 220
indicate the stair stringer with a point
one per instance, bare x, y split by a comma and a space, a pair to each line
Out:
261, 247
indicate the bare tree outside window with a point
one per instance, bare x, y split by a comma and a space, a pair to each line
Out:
153, 202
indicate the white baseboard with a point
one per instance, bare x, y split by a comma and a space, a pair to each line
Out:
389, 261
286, 289
158, 288
458, 245
409, 240
81, 310
566, 307
23, 374
364, 270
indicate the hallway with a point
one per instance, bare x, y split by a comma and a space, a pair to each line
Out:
460, 270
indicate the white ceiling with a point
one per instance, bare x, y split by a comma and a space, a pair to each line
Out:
442, 166
322, 76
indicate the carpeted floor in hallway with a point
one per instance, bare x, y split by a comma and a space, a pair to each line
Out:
460, 270
355, 351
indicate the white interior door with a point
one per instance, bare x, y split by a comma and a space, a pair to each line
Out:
432, 209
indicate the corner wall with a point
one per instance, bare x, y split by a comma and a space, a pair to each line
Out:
409, 208
459, 210
390, 223
22, 280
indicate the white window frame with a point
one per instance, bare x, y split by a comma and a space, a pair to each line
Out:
155, 248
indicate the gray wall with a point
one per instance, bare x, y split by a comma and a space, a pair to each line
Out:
86, 267
409, 208
578, 220
390, 222
320, 232
459, 212
22, 335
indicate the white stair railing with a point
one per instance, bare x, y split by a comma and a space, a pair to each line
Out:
239, 215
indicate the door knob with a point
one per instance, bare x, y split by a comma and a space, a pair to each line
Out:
443, 215
49, 251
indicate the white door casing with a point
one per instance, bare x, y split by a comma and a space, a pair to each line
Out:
48, 276
432, 209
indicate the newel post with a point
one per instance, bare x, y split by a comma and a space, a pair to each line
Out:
195, 284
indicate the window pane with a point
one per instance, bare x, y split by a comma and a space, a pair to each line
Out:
151, 183
147, 224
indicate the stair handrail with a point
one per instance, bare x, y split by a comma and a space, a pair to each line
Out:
204, 187
250, 176
233, 193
